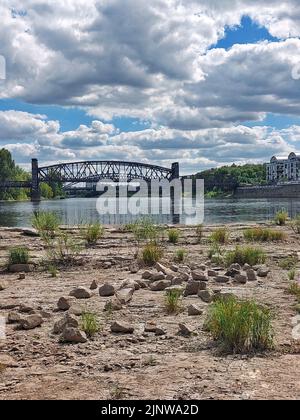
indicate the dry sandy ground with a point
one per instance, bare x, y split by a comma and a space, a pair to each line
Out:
141, 366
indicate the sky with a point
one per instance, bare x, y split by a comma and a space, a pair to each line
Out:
204, 83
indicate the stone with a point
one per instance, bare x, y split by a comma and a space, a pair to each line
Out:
222, 279
160, 331
143, 283
64, 303
185, 330
22, 276
246, 267
113, 305
30, 322
263, 271
25, 309
296, 320
107, 265
158, 286
212, 273
13, 318
6, 361
232, 272
67, 321
20, 268
199, 275
235, 267
107, 290
94, 285
157, 277
2, 286
241, 278
162, 269
206, 295
81, 293
124, 296
150, 327
177, 281
170, 277
147, 275
73, 335
30, 232
251, 275
120, 327
76, 310
134, 268
183, 276
174, 268
130, 284
193, 287
194, 310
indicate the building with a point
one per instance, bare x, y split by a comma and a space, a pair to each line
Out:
284, 170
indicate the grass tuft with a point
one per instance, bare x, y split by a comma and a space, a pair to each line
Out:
173, 236
90, 324
180, 255
245, 255
199, 232
220, 236
263, 235
92, 233
152, 253
173, 301
288, 263
18, 255
281, 217
46, 223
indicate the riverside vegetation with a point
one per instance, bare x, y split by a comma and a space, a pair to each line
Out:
94, 302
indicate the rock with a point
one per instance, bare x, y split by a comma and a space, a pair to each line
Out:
143, 284
147, 275
81, 293
134, 268
113, 305
235, 267
158, 286
158, 277
263, 271
193, 287
251, 275
183, 276
198, 275
107, 265
232, 272
174, 268
185, 330
160, 331
30, 232
67, 321
30, 322
212, 273
64, 303
45, 314
76, 310
241, 278
94, 285
2, 286
194, 310
162, 269
13, 318
246, 267
73, 335
150, 327
177, 281
25, 309
7, 361
206, 295
130, 284
170, 277
22, 276
296, 320
20, 268
107, 290
124, 296
120, 327
222, 279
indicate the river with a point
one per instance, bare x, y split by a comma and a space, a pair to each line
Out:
75, 211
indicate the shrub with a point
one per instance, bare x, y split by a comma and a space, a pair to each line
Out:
173, 236
288, 263
220, 236
92, 233
263, 235
18, 255
199, 232
281, 217
46, 223
245, 255
295, 223
90, 324
152, 253
173, 300
180, 255
240, 326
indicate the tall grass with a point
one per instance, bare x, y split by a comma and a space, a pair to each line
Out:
173, 301
92, 233
220, 236
263, 235
46, 223
90, 324
18, 255
240, 326
152, 253
145, 230
281, 217
294, 289
245, 255
180, 255
173, 236
199, 232
63, 249
295, 224
288, 263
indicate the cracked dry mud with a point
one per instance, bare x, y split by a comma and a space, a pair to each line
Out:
34, 365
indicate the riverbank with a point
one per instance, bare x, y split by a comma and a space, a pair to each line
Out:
148, 363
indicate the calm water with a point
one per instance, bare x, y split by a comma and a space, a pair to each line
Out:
83, 210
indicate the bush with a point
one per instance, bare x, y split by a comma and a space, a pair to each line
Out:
90, 324
288, 263
152, 253
240, 327
245, 255
92, 233
263, 235
46, 223
18, 255
173, 236
281, 217
180, 255
220, 236
199, 232
295, 223
172, 302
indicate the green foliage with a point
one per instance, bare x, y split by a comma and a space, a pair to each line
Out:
245, 255
52, 269
173, 301
92, 233
294, 289
281, 218
240, 326
63, 249
292, 274
180, 255
46, 191
220, 236
173, 236
145, 230
18, 255
295, 224
215, 253
199, 232
46, 223
152, 253
263, 235
90, 324
288, 263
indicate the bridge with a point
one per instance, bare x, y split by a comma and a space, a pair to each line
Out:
92, 172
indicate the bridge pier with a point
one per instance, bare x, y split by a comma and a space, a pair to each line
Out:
35, 187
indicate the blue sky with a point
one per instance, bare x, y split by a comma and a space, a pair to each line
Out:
216, 89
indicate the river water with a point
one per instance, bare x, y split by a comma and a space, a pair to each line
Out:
75, 211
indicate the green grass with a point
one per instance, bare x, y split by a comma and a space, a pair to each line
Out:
292, 274
92, 233
199, 232
281, 217
18, 255
180, 255
145, 230
63, 249
46, 223
90, 324
295, 224
52, 269
288, 263
220, 236
173, 301
173, 236
152, 253
240, 326
215, 254
245, 255
294, 289
263, 235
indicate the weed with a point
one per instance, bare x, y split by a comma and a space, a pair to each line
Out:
90, 324
220, 236
173, 301
92, 233
173, 236
263, 235
281, 217
295, 224
245, 255
288, 263
18, 255
46, 223
199, 232
180, 255
152, 253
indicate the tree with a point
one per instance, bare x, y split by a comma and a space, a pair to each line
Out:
46, 191
9, 171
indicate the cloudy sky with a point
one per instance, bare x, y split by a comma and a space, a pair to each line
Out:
202, 82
